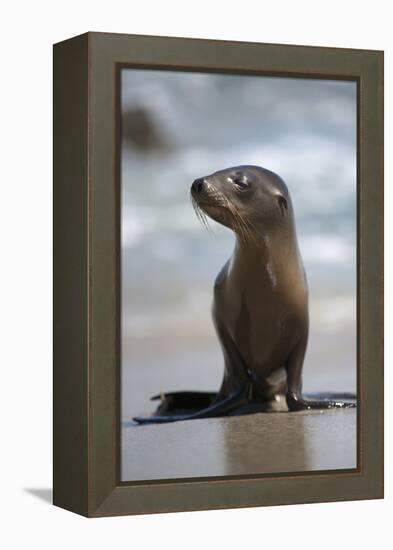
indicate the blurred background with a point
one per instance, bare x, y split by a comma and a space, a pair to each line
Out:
178, 126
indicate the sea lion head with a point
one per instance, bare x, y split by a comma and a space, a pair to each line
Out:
250, 200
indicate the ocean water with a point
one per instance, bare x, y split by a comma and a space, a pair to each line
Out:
179, 126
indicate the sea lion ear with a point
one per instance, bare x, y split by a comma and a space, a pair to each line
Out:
282, 203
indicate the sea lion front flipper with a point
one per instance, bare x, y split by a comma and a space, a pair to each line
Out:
334, 396
296, 403
294, 398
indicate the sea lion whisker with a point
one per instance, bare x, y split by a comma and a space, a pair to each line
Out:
238, 229
246, 234
248, 231
201, 215
252, 229
198, 213
243, 229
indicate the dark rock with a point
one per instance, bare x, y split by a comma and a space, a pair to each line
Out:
141, 131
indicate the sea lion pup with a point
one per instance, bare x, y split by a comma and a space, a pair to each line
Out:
260, 306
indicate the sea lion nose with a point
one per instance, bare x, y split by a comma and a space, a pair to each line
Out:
198, 185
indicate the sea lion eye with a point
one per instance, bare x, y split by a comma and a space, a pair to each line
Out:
240, 182
283, 204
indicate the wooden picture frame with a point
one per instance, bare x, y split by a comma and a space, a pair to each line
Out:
86, 274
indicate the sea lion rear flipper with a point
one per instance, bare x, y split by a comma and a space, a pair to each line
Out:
221, 408
183, 401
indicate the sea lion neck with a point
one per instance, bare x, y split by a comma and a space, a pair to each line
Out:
276, 250
262, 242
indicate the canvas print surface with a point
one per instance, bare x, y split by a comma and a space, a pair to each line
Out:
278, 157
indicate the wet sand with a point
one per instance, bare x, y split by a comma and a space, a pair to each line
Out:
189, 357
254, 444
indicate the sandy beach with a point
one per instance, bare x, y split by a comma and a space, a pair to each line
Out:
244, 445
259, 443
